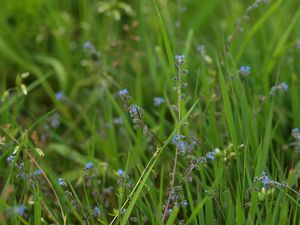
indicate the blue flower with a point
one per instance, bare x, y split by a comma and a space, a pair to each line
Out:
211, 155
265, 180
55, 120
121, 172
123, 92
123, 211
245, 70
177, 138
158, 101
180, 143
283, 86
61, 182
37, 172
185, 203
295, 134
87, 45
134, 110
89, 166
179, 59
118, 121
295, 131
20, 210
96, 212
60, 95
10, 159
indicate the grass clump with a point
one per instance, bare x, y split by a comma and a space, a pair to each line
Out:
149, 112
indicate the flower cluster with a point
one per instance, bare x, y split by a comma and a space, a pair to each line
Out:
11, 159
123, 178
96, 212
89, 173
22, 174
211, 155
55, 120
176, 197
179, 59
183, 144
137, 115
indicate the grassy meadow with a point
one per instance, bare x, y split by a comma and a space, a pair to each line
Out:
150, 112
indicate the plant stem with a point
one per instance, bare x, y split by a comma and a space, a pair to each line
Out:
173, 174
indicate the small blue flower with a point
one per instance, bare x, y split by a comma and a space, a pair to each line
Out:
185, 203
177, 138
89, 166
118, 121
123, 92
202, 159
295, 134
61, 182
182, 146
96, 212
60, 95
265, 180
55, 122
134, 110
10, 159
245, 70
123, 211
283, 86
87, 45
37, 172
158, 101
20, 210
22, 175
121, 172
211, 155
295, 131
179, 59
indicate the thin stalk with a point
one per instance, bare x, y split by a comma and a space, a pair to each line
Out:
173, 174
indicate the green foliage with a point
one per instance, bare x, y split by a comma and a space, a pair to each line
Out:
82, 141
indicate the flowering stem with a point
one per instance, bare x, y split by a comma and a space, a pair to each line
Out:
173, 174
